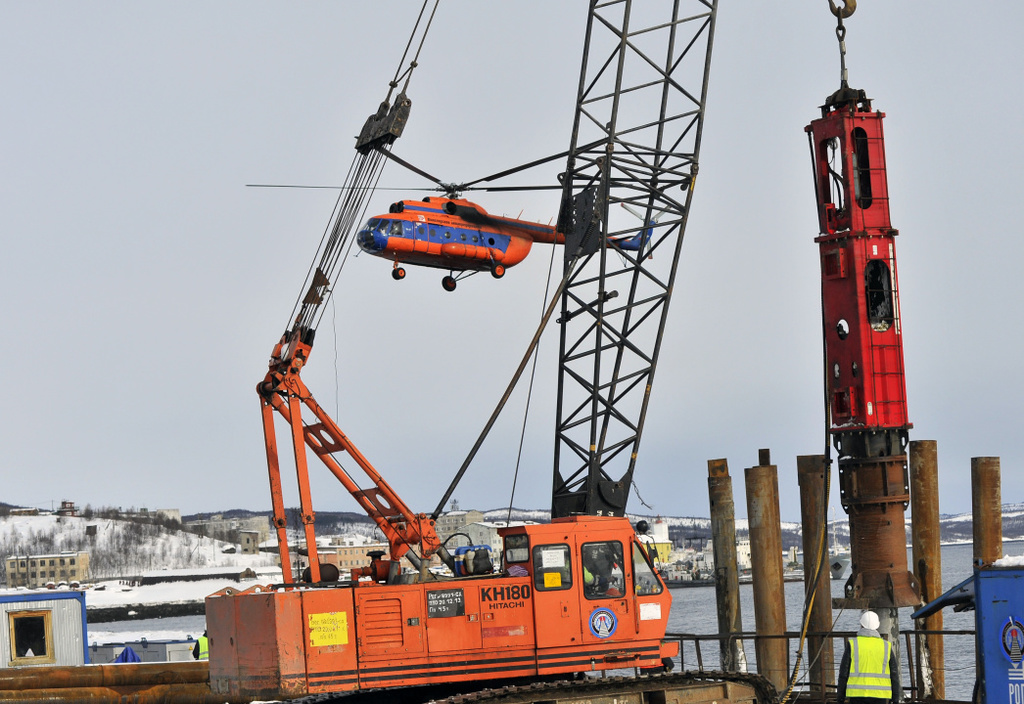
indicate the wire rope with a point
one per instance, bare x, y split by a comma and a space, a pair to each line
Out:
529, 393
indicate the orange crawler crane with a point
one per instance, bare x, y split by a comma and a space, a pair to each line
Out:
578, 594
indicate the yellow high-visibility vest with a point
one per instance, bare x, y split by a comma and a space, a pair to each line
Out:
204, 648
869, 668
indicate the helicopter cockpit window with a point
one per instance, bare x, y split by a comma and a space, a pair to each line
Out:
371, 225
644, 580
396, 228
552, 567
383, 225
603, 575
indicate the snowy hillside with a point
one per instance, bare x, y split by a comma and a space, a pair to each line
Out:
118, 548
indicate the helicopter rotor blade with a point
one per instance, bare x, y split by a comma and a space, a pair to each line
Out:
333, 188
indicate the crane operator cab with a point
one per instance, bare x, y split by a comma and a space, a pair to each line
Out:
594, 593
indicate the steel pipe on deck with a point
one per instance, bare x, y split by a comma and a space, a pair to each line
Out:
139, 683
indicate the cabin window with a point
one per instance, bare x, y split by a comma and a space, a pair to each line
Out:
552, 567
31, 637
396, 228
433, 233
517, 548
447, 235
421, 231
861, 168
878, 292
603, 575
474, 238
644, 580
462, 236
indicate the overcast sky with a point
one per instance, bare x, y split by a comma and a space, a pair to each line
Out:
144, 285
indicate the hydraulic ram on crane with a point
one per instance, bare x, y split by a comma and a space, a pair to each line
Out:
867, 397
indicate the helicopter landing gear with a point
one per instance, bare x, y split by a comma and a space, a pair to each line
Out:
398, 273
497, 270
448, 283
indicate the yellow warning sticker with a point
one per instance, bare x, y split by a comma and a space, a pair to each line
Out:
328, 629
552, 580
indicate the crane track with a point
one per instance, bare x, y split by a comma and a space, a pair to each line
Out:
587, 689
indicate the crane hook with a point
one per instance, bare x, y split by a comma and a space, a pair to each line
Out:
849, 6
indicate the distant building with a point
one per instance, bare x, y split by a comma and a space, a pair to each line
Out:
43, 628
249, 541
38, 570
455, 521
170, 514
486, 533
67, 508
216, 526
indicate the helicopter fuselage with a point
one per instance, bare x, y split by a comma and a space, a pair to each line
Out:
453, 234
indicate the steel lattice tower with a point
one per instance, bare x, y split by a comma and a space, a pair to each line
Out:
635, 142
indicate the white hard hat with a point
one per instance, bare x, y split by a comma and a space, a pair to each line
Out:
869, 620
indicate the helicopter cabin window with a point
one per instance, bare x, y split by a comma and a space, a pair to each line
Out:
603, 576
517, 548
433, 234
462, 236
421, 232
475, 238
644, 580
396, 228
447, 235
552, 567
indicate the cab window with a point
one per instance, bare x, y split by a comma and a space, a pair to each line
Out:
372, 223
517, 548
645, 582
603, 574
552, 567
396, 228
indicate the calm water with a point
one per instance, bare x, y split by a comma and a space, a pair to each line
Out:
693, 611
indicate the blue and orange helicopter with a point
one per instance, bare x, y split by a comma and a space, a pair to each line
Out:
458, 235
450, 232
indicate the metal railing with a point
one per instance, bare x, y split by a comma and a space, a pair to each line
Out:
691, 651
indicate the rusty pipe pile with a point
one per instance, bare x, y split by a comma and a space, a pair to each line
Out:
727, 576
925, 539
811, 478
765, 525
140, 683
987, 510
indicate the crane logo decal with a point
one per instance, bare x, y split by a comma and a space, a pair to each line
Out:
603, 623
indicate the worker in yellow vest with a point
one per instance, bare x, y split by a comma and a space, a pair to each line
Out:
868, 673
201, 651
